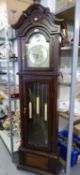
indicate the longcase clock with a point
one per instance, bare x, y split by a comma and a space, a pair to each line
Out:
38, 33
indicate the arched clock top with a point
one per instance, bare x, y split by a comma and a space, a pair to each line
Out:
37, 16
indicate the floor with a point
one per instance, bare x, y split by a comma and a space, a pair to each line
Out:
9, 168
6, 165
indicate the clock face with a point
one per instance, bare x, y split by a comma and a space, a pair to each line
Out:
38, 51
38, 55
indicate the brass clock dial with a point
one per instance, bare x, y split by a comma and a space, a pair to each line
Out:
38, 52
38, 55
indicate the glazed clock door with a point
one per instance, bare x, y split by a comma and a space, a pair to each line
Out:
36, 52
37, 99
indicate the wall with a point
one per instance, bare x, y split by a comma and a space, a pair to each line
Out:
12, 8
15, 8
49, 3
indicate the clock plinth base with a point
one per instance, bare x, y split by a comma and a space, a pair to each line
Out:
38, 162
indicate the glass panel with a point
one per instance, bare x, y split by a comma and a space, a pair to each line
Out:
37, 51
38, 114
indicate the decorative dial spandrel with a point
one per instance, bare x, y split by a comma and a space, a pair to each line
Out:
37, 51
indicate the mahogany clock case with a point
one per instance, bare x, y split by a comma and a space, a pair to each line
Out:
38, 33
